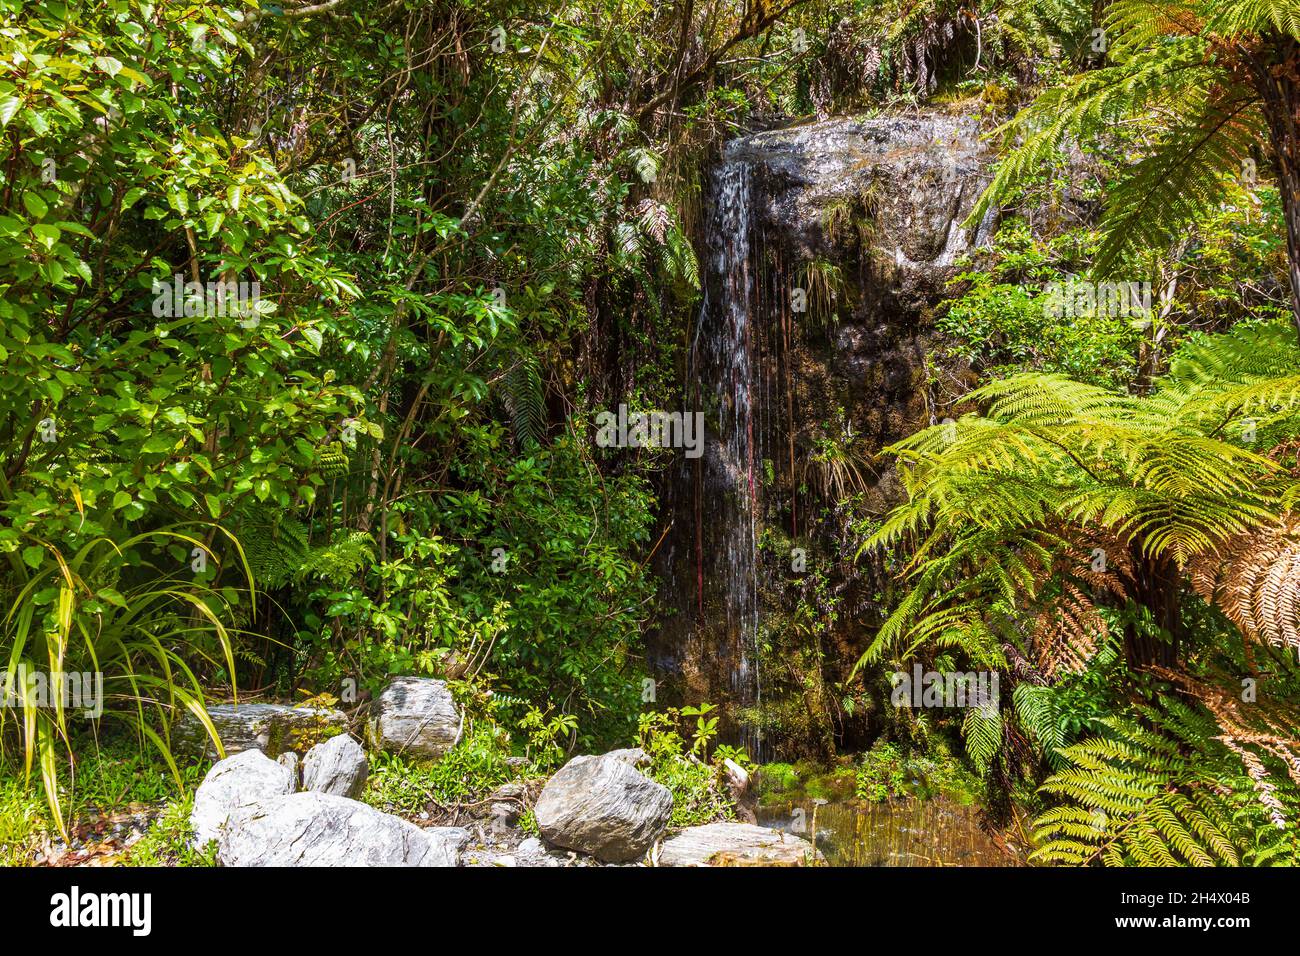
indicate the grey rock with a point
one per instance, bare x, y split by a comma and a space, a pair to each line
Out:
632, 756
338, 766
416, 715
504, 816
531, 847
271, 728
508, 802
532, 852
234, 788
737, 776
321, 829
514, 790
736, 844
293, 763
604, 807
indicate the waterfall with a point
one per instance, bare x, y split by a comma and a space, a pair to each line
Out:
725, 373
881, 201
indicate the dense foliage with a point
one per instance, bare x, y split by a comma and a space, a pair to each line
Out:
306, 310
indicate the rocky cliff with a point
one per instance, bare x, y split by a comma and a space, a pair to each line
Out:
827, 247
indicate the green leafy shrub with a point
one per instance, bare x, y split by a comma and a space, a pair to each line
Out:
699, 794
546, 737
405, 784
1001, 323
167, 842
124, 419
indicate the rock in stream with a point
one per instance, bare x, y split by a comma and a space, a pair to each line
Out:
736, 844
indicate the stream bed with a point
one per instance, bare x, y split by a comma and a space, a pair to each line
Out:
899, 832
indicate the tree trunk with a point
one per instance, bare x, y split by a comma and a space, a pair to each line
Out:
1276, 74
1158, 589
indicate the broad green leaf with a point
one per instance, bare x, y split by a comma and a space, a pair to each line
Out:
8, 108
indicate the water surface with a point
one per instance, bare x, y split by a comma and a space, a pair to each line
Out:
900, 832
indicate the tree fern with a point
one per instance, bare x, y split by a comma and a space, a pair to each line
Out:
1164, 790
1051, 464
1210, 79
1062, 500
1249, 17
1037, 715
1214, 130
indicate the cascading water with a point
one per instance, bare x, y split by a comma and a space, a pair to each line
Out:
774, 378
724, 366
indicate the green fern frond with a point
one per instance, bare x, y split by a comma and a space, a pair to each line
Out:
1169, 795
1251, 17
274, 544
1082, 108
339, 561
1186, 69
1182, 178
982, 729
525, 399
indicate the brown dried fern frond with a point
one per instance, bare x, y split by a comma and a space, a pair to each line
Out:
1066, 632
1271, 725
1255, 580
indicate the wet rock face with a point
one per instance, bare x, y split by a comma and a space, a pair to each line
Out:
867, 217
917, 176
883, 202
